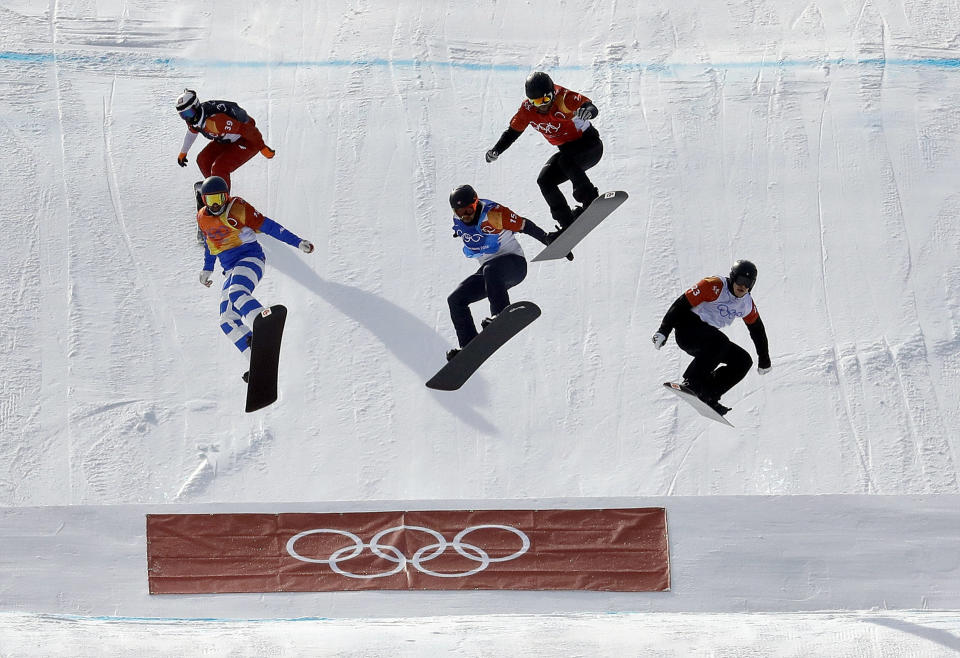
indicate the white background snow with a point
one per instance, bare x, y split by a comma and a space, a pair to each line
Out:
820, 140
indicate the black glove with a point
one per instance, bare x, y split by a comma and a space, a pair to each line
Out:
182, 159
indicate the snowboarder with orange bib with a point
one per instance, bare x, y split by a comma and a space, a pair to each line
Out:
698, 315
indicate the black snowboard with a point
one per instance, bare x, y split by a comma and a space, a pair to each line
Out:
265, 357
595, 213
508, 323
704, 409
196, 190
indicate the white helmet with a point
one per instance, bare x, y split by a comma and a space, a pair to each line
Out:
188, 105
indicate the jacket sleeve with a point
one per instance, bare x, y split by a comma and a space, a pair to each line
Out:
674, 314
534, 231
758, 334
208, 259
275, 230
508, 137
188, 140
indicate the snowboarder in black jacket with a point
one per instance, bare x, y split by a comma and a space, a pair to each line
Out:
698, 315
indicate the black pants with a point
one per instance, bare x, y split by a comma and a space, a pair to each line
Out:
570, 164
710, 348
491, 281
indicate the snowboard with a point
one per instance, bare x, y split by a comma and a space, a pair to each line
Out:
507, 324
691, 398
571, 236
201, 238
265, 357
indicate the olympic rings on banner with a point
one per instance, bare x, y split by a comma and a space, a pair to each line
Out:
423, 554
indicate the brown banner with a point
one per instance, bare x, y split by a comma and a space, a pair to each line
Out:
606, 549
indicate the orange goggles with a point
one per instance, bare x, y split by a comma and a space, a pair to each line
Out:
215, 200
543, 100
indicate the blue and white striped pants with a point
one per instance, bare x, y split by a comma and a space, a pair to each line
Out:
237, 301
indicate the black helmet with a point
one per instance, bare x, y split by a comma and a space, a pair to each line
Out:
743, 272
463, 196
217, 190
539, 85
188, 105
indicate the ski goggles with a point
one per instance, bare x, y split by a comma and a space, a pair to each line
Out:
460, 211
543, 100
744, 281
189, 113
215, 201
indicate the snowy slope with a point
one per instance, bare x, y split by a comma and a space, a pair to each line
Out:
819, 140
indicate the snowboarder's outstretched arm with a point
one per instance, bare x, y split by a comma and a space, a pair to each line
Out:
758, 334
670, 320
540, 235
208, 259
188, 141
509, 136
673, 316
706, 290
275, 230
535, 231
208, 262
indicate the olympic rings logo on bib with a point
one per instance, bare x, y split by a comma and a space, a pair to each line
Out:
423, 554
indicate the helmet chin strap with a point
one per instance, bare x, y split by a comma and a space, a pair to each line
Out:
198, 119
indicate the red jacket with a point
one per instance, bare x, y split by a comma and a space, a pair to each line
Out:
559, 125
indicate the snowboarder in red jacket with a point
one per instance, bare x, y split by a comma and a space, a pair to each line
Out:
563, 117
233, 134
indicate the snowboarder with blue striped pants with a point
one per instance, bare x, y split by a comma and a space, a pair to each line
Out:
230, 227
